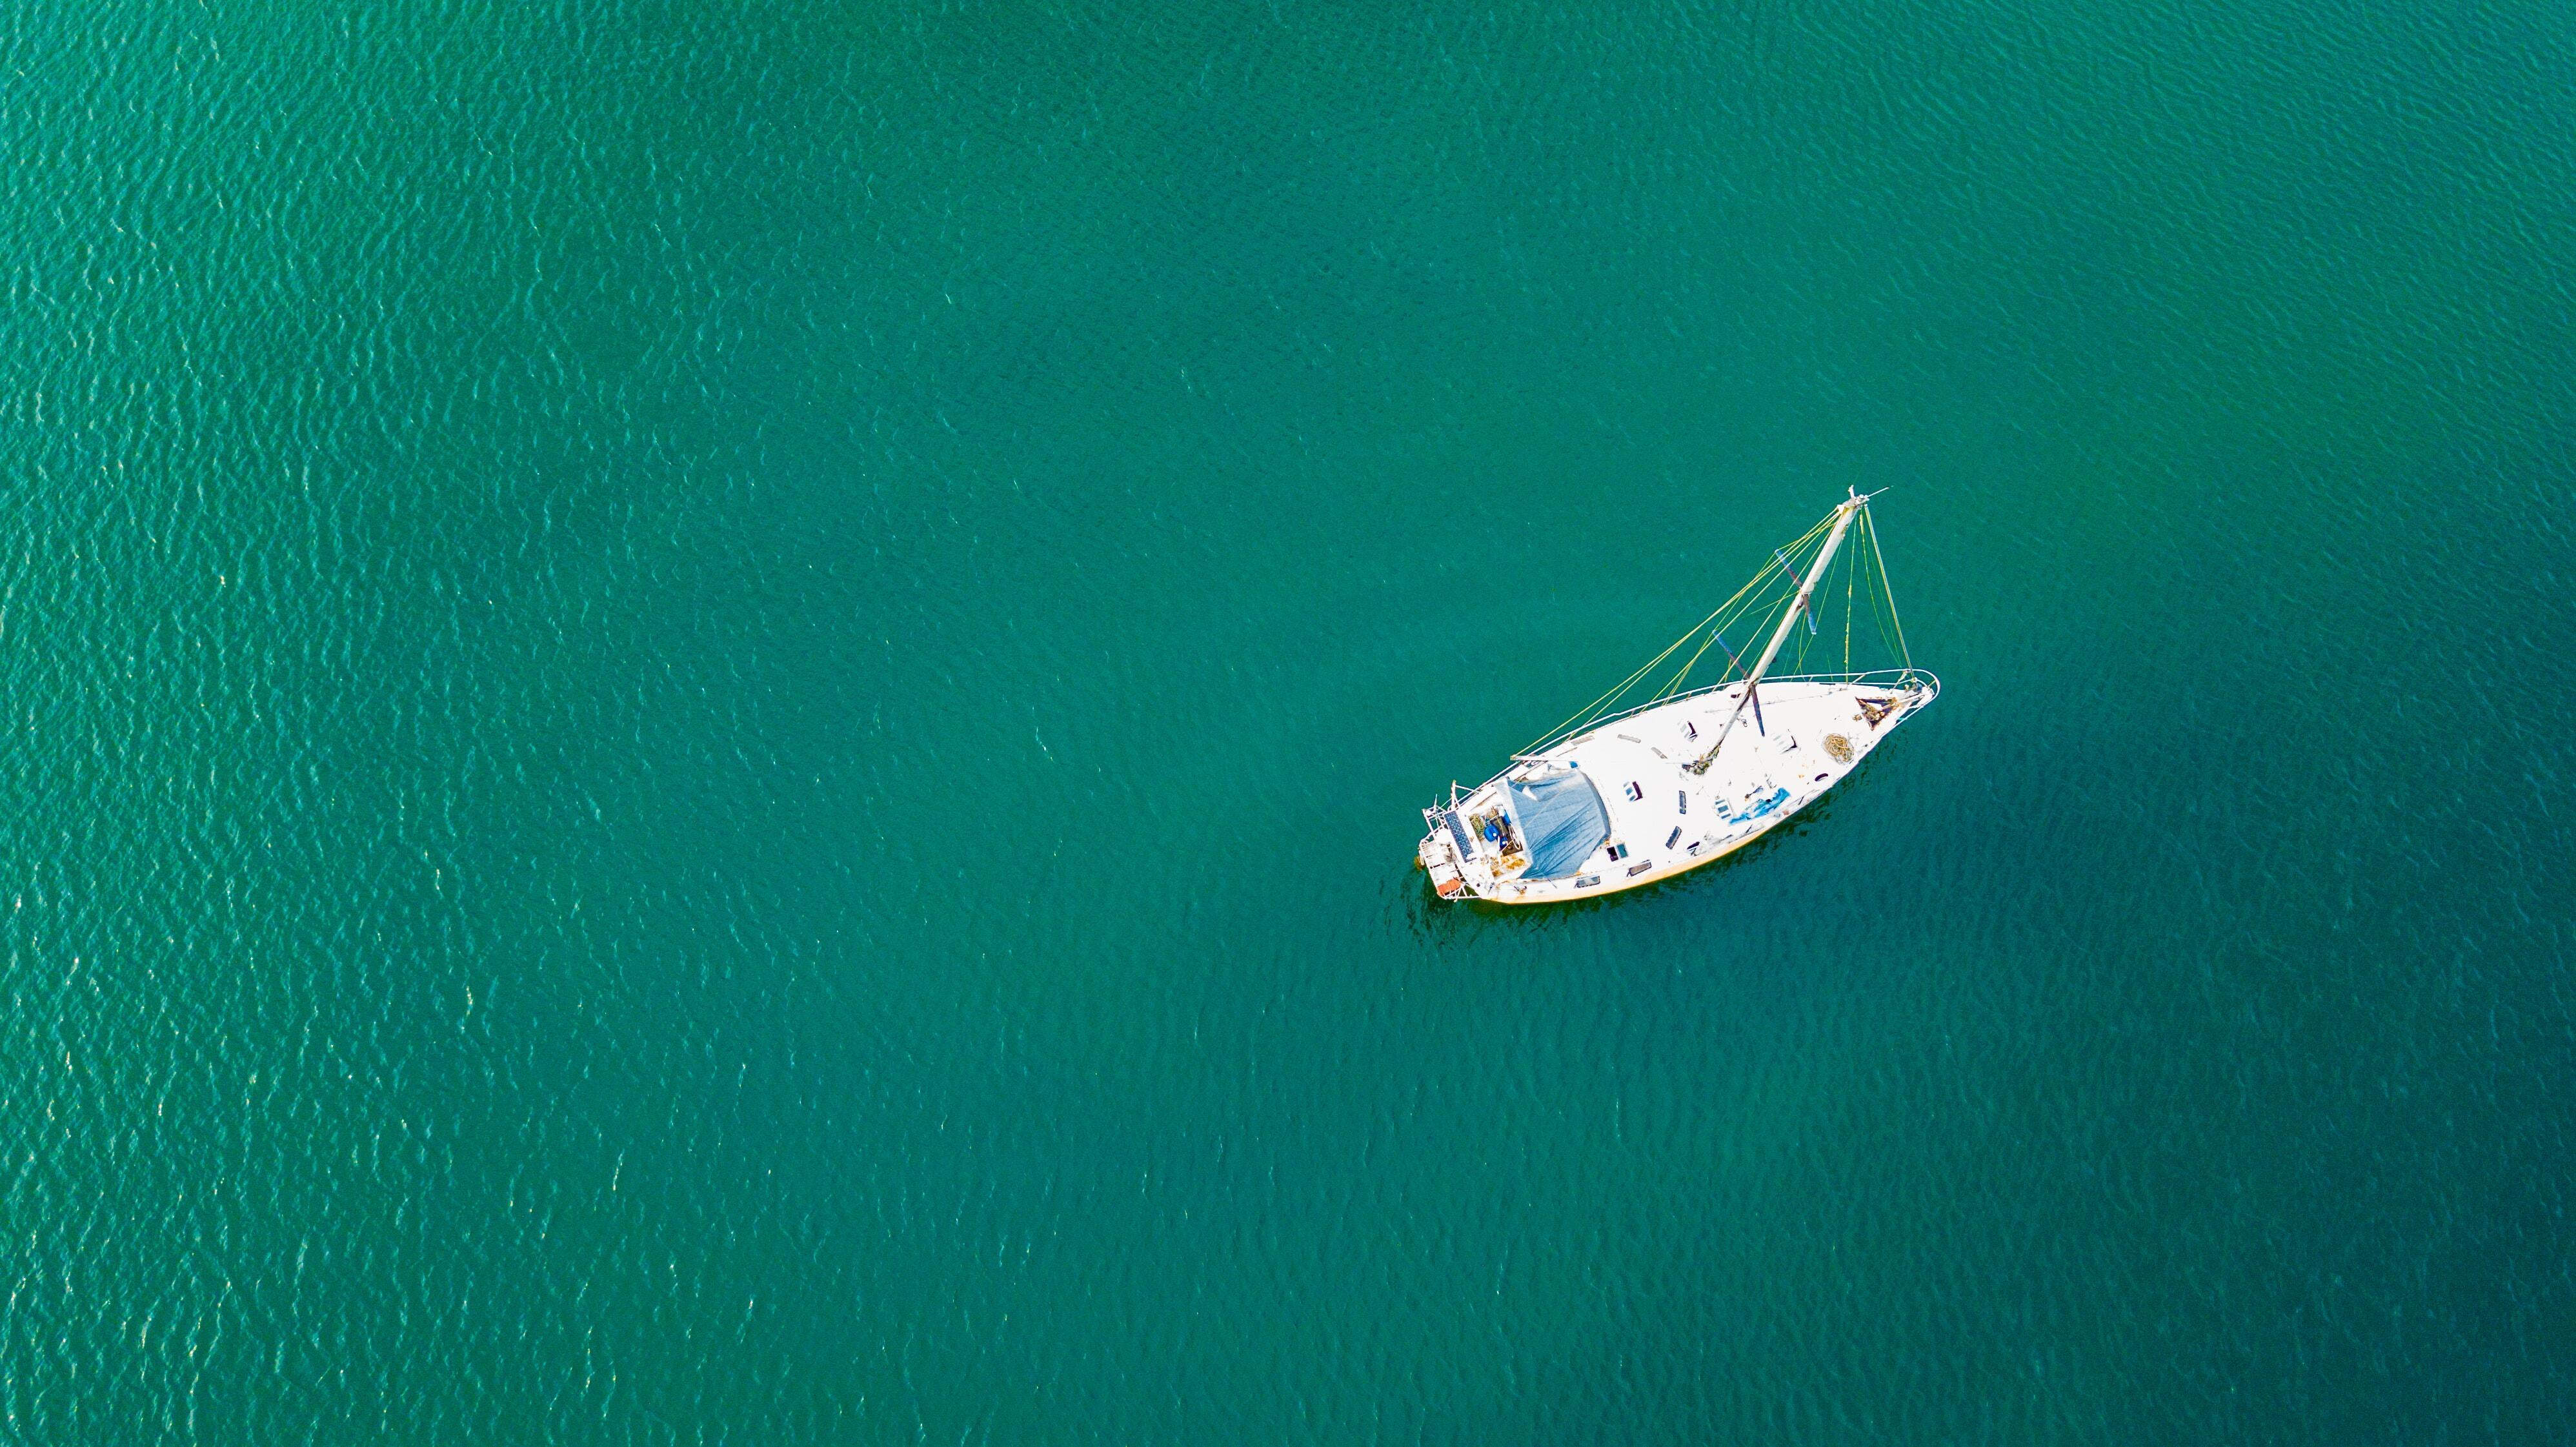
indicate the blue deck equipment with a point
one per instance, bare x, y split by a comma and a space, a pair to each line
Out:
1561, 819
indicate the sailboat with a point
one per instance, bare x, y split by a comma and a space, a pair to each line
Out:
1626, 794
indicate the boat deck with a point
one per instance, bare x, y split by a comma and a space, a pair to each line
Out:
1665, 820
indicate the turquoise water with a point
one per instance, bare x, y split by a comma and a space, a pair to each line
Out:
716, 714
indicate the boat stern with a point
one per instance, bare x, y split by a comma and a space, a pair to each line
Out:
1438, 856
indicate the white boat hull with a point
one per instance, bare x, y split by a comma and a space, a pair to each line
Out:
1664, 819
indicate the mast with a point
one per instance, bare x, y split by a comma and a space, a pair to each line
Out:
1815, 573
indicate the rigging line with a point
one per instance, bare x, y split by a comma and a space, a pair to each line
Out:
1770, 610
1673, 686
1878, 615
1884, 624
1809, 615
1874, 591
1811, 612
1884, 586
1724, 619
1716, 633
1717, 624
1735, 661
1823, 598
1718, 637
1851, 572
1585, 713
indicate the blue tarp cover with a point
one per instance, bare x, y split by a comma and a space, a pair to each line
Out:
1561, 821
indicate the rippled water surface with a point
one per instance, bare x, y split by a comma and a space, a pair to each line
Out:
715, 714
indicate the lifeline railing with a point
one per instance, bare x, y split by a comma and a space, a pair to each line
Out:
1893, 678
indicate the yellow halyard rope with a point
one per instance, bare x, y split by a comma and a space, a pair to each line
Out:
1744, 602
